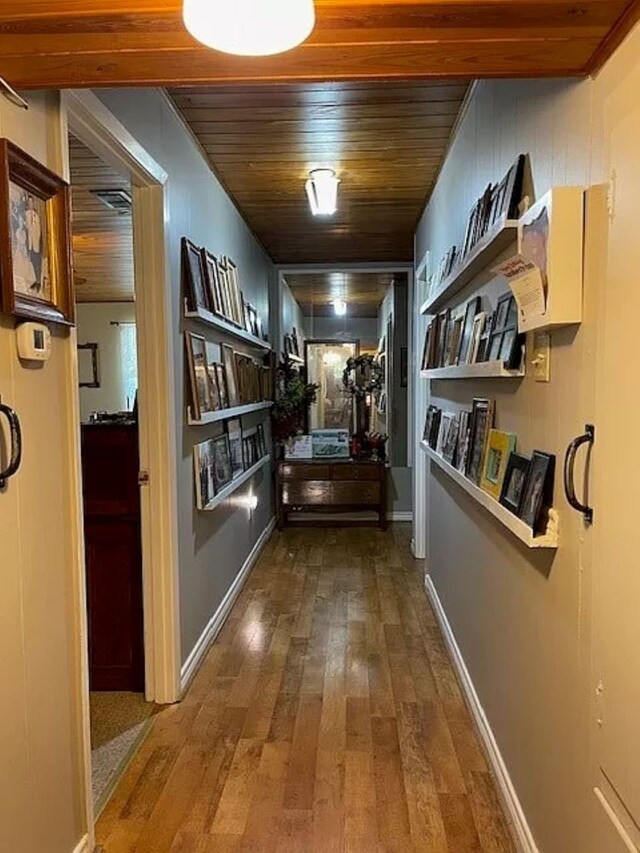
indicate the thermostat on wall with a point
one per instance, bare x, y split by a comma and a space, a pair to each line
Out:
34, 342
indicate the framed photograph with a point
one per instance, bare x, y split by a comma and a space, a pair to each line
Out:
234, 431
330, 443
294, 341
262, 444
443, 431
453, 340
222, 471
221, 376
36, 277
212, 281
432, 426
472, 308
505, 344
515, 480
298, 447
441, 349
476, 335
229, 362
236, 297
193, 273
203, 462
225, 289
450, 440
88, 366
482, 414
483, 346
198, 374
464, 433
507, 195
500, 446
538, 492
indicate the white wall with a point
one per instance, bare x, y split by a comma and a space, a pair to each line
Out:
522, 620
214, 545
362, 329
94, 325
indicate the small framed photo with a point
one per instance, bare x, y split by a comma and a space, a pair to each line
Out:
36, 279
222, 469
221, 376
229, 362
515, 480
262, 444
472, 308
482, 414
476, 335
198, 374
203, 462
234, 431
500, 446
194, 277
538, 493
464, 433
212, 280
450, 439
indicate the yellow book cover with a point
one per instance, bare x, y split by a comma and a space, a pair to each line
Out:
500, 446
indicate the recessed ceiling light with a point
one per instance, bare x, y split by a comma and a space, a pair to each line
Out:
322, 192
249, 27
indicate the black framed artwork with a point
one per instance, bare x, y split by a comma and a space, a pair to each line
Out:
538, 493
194, 276
515, 481
482, 414
504, 343
473, 306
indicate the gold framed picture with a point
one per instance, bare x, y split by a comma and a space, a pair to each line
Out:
35, 239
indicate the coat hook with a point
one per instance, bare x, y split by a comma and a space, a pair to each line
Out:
11, 95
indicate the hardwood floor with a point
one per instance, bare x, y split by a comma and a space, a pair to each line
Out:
326, 717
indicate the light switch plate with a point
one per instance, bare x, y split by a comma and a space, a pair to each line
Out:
541, 360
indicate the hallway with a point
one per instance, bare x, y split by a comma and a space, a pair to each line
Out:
325, 717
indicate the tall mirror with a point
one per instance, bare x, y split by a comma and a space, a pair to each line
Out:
325, 364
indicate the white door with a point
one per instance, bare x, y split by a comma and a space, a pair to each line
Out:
616, 499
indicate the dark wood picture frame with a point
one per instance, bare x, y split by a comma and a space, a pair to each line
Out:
212, 282
194, 276
95, 381
537, 497
517, 464
19, 169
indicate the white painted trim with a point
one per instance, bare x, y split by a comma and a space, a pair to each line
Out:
518, 822
399, 516
211, 631
83, 846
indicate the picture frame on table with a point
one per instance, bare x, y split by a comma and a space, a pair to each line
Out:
193, 273
234, 431
222, 470
538, 492
471, 309
515, 481
500, 446
204, 464
228, 360
196, 347
212, 281
482, 415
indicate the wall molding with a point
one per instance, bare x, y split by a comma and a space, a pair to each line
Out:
400, 516
212, 629
82, 846
516, 817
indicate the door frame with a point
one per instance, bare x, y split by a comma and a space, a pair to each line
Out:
87, 118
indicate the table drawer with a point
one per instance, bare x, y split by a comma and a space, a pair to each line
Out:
356, 472
330, 493
305, 472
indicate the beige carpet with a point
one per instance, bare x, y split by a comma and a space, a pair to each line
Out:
119, 721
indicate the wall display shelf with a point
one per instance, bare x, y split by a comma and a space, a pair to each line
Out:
494, 242
209, 319
227, 414
239, 481
481, 370
517, 527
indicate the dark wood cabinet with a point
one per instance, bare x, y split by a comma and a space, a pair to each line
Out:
337, 486
110, 465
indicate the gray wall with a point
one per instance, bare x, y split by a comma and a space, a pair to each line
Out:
362, 329
212, 546
291, 315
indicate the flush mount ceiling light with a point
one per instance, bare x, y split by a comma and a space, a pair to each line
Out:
340, 307
249, 27
322, 192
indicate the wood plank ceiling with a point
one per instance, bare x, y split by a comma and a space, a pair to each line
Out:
67, 43
102, 238
385, 141
363, 292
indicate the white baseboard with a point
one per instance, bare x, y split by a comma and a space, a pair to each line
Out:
82, 846
190, 666
399, 516
522, 834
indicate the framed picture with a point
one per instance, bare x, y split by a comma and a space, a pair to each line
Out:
483, 345
212, 280
443, 430
482, 413
225, 289
222, 471
476, 335
441, 348
203, 462
538, 492
453, 340
507, 195
229, 362
88, 366
222, 385
450, 440
472, 308
262, 444
250, 447
505, 344
294, 342
236, 297
431, 426
234, 431
298, 447
464, 433
198, 374
36, 279
500, 446
194, 277
515, 480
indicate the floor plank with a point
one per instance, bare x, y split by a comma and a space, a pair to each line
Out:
325, 717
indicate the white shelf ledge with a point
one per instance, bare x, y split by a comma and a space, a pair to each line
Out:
481, 370
209, 319
227, 414
486, 250
514, 524
239, 481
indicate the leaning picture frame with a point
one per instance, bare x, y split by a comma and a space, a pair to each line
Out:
193, 274
36, 279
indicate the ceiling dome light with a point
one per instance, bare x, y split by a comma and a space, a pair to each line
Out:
322, 192
339, 307
249, 27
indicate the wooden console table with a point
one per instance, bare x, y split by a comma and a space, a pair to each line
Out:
340, 485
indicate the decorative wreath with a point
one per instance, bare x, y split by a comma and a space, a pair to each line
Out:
363, 375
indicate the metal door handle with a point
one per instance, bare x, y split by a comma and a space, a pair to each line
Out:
588, 437
15, 457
